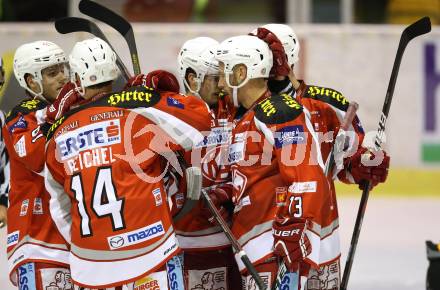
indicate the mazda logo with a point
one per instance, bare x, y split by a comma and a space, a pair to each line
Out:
117, 242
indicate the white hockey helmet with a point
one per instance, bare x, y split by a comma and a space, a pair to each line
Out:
199, 55
94, 62
31, 58
288, 38
248, 50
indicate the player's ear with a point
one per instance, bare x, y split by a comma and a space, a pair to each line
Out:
240, 73
32, 84
191, 79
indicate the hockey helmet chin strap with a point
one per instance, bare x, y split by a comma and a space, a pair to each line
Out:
196, 91
79, 88
235, 88
39, 95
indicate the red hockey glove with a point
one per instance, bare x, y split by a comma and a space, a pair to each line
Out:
160, 80
362, 171
291, 242
280, 64
219, 197
68, 96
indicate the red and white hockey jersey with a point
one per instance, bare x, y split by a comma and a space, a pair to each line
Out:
277, 169
327, 109
194, 231
32, 235
105, 176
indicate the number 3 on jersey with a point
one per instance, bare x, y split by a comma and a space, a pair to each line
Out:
104, 200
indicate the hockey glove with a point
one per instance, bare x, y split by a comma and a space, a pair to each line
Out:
290, 241
66, 98
362, 171
280, 64
219, 197
160, 80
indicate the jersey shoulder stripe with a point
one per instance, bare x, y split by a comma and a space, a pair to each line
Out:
25, 107
278, 109
327, 95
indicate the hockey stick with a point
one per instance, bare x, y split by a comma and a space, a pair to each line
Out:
116, 21
338, 147
194, 183
75, 24
418, 28
235, 244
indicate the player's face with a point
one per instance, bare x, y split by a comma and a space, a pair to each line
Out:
222, 85
209, 89
54, 78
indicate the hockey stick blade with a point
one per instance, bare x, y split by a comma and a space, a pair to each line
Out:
418, 28
193, 189
116, 21
67, 25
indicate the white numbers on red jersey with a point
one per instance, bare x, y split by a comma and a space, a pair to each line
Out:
104, 200
295, 206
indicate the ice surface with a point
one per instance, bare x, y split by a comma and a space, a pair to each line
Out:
391, 250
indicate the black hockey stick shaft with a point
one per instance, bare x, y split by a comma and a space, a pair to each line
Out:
116, 21
418, 28
235, 244
76, 24
218, 217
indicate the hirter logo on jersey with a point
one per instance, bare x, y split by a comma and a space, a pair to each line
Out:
289, 135
88, 137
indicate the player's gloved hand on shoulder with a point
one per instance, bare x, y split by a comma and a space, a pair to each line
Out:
66, 98
366, 165
280, 64
290, 241
219, 198
160, 80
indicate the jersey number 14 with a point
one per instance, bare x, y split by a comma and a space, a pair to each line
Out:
104, 200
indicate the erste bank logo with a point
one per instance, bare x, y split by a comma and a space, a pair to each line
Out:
88, 137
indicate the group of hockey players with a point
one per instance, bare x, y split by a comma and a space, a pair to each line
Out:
98, 194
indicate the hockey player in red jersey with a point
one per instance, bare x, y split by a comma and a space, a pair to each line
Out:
279, 187
36, 250
327, 107
104, 161
206, 248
